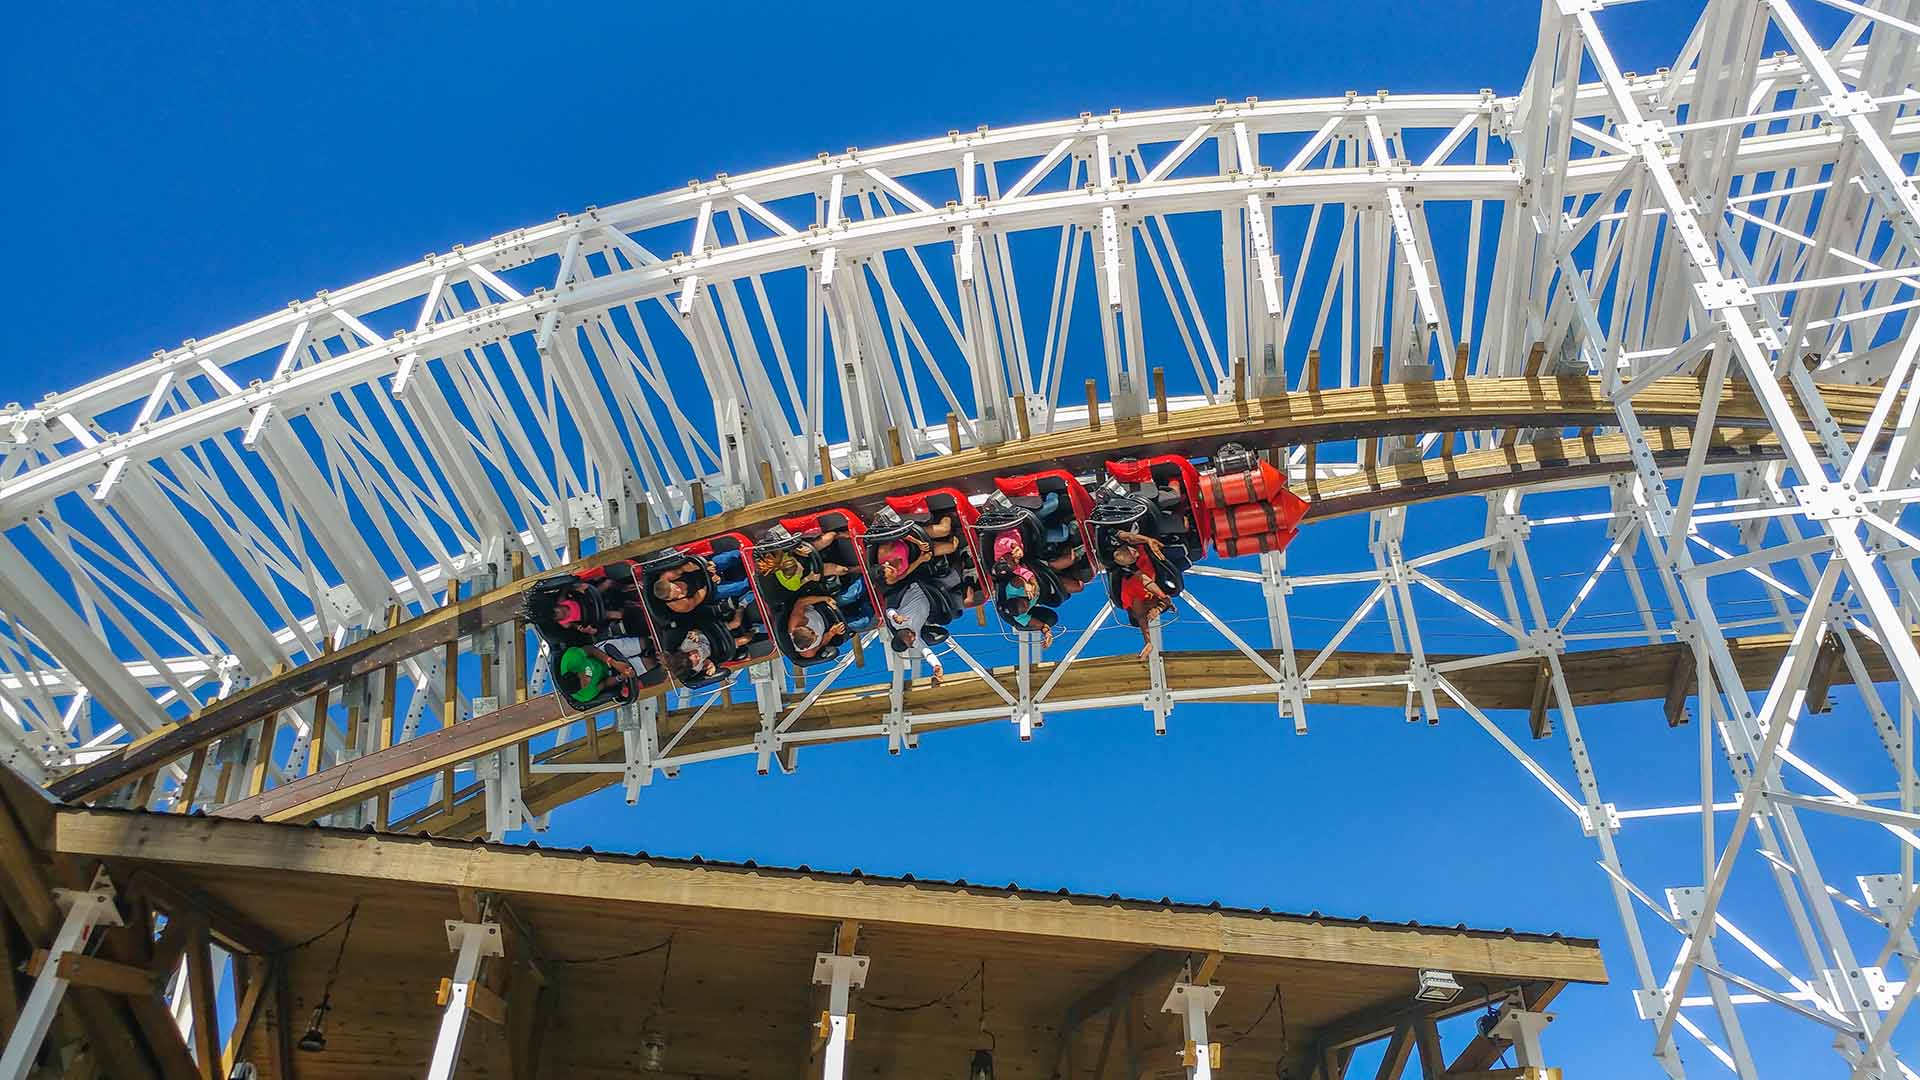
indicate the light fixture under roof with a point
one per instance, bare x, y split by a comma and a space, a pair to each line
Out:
1437, 986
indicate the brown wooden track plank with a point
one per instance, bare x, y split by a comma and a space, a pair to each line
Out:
1543, 459
1594, 677
1371, 411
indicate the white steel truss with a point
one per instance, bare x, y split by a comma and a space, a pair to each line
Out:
1748, 217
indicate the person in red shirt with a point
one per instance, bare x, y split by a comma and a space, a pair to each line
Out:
1142, 598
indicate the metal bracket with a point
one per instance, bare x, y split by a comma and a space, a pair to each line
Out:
1522, 1027
1609, 820
1684, 903
1183, 992
1646, 136
1871, 982
488, 935
1193, 1003
1724, 294
1885, 893
1856, 103
1547, 641
1829, 501
827, 965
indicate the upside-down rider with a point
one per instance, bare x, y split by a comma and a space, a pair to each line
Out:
727, 573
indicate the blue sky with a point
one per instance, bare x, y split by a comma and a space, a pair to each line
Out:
176, 172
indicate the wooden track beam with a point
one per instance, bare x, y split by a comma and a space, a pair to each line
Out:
726, 726
1354, 412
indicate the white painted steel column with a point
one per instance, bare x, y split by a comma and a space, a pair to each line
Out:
85, 911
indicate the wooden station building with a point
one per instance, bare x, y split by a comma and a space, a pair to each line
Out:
579, 964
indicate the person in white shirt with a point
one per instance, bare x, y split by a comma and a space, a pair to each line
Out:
907, 619
808, 627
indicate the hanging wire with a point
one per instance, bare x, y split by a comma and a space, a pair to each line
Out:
344, 920
1276, 1005
345, 925
979, 975
340, 953
1273, 1003
993, 1041
629, 955
660, 996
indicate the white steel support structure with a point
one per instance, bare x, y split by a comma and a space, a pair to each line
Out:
841, 974
472, 943
1746, 217
84, 912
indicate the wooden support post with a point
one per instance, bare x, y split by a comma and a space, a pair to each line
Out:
517, 645
172, 945
894, 446
1093, 405
1379, 365
573, 551
1680, 684
221, 778
1160, 392
826, 464
196, 767
1820, 680
697, 494
355, 715
1433, 1061
1537, 719
1312, 462
389, 712
767, 487
449, 712
953, 434
1209, 967
259, 982
1399, 1048
1022, 420
1240, 380
262, 754
317, 732
1133, 1047
1459, 372
206, 1018
1106, 1043
143, 790
95, 971
450, 683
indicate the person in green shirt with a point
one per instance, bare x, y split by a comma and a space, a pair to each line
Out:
585, 673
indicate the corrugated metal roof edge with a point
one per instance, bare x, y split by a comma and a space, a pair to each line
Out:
1013, 889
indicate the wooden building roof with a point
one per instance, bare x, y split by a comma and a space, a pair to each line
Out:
717, 959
